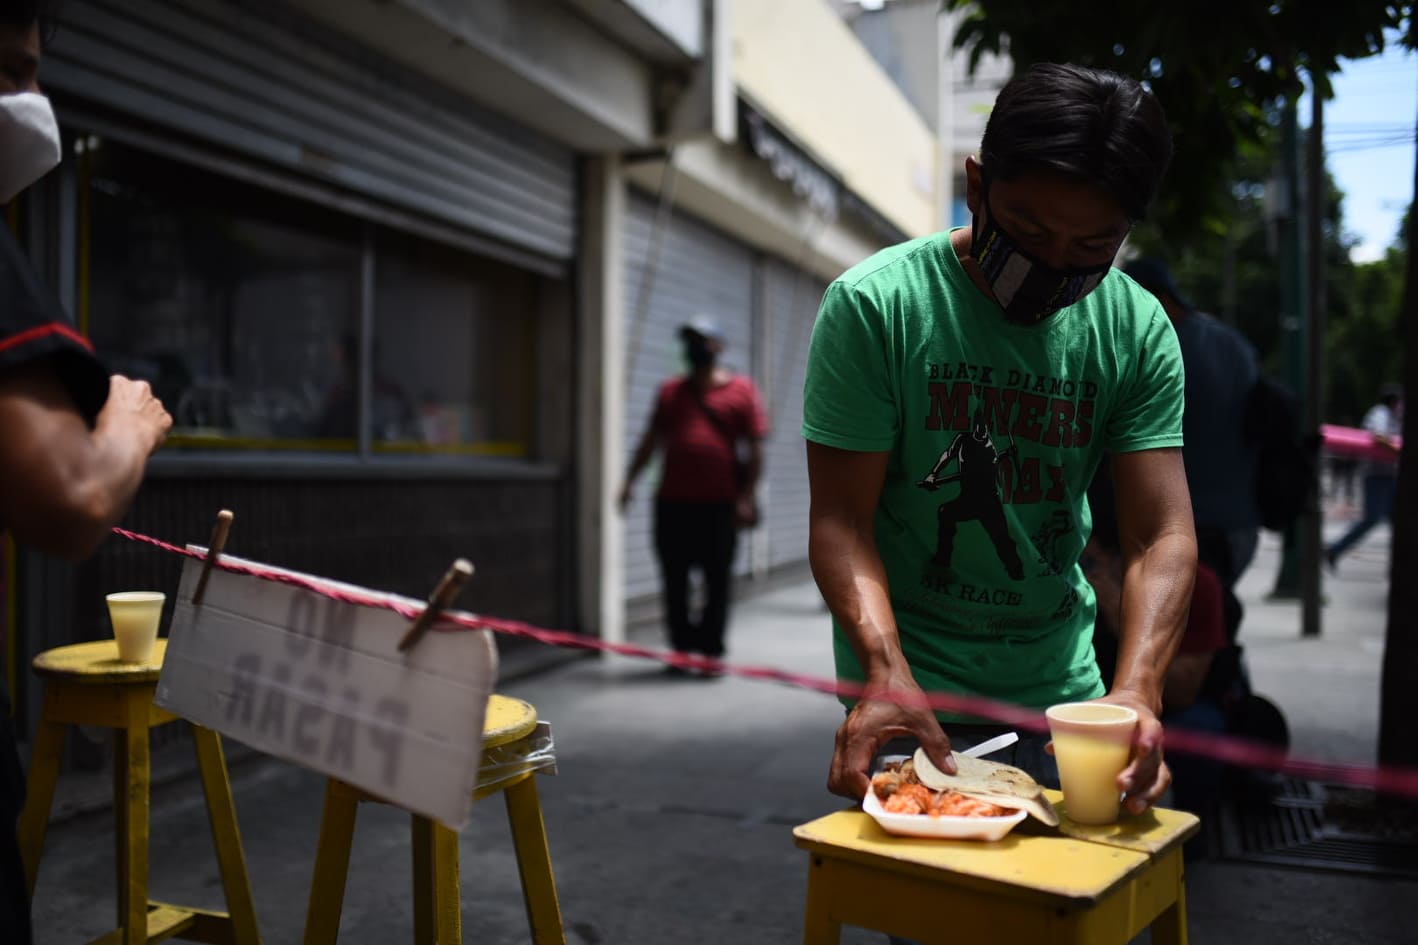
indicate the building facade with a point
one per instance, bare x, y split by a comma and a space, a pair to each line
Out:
406, 272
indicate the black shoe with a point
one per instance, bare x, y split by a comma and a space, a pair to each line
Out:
677, 672
711, 672
1330, 559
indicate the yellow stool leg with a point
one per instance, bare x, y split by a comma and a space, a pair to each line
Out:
226, 838
332, 864
39, 794
529, 838
447, 886
1170, 928
438, 904
131, 783
818, 928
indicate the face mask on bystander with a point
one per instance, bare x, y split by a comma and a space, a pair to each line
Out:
29, 142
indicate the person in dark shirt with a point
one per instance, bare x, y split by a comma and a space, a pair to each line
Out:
74, 442
1187, 701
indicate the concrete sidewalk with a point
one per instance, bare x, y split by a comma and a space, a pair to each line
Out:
670, 820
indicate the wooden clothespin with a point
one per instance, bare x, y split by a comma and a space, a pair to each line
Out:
214, 550
438, 601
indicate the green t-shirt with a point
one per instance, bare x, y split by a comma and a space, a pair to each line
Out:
994, 432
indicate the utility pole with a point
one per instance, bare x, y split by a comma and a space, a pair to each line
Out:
1312, 523
1292, 322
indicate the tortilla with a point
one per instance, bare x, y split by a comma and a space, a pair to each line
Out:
999, 784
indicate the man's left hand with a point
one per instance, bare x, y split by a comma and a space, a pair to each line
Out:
1147, 777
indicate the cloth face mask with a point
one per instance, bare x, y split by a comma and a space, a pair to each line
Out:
1028, 290
29, 142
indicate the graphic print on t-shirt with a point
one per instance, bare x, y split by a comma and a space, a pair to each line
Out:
978, 499
1050, 540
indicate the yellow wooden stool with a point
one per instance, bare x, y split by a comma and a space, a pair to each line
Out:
1094, 885
438, 911
85, 684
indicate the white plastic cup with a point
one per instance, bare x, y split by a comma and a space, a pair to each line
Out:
1092, 744
136, 616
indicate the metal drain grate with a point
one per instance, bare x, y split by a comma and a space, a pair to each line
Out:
1290, 828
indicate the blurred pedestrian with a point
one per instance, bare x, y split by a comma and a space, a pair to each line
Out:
709, 425
1380, 477
1343, 470
1222, 369
1187, 700
74, 442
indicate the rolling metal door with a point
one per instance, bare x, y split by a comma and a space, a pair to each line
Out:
268, 85
695, 269
791, 298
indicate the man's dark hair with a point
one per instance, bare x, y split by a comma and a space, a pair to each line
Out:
1090, 124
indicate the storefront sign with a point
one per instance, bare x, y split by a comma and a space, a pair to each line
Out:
319, 682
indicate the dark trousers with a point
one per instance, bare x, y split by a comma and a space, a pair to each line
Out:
14, 898
702, 535
1379, 493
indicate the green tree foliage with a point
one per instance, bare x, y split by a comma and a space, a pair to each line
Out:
1233, 276
1365, 350
1218, 69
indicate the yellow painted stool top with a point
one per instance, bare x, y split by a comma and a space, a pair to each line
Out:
97, 662
506, 720
1154, 832
1075, 864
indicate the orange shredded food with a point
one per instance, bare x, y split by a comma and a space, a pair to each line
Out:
899, 796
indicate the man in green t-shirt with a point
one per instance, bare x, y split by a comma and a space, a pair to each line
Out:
961, 391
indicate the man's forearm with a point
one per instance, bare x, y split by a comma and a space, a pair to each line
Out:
640, 460
1157, 588
849, 573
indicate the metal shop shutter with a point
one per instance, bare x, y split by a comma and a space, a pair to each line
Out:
271, 86
696, 269
791, 299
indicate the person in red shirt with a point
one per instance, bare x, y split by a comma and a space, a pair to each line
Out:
709, 425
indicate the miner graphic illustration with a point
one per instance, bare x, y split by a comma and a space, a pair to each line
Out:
979, 499
1049, 538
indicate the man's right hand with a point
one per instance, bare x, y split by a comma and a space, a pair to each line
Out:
892, 708
132, 409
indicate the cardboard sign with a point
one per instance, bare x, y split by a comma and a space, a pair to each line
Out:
320, 683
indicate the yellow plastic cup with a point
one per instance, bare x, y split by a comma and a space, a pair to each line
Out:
136, 616
1092, 744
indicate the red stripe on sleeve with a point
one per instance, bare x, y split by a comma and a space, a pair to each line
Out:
44, 331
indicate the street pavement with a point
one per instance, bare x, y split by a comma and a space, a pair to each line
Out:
670, 820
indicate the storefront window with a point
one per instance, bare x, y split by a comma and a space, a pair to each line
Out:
242, 308
239, 308
452, 351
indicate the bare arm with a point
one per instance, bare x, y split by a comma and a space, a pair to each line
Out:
66, 486
639, 460
842, 550
1188, 670
745, 509
1159, 551
753, 471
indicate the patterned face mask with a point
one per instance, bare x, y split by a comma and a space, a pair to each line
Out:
1028, 290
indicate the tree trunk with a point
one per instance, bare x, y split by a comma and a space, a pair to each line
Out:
1398, 707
